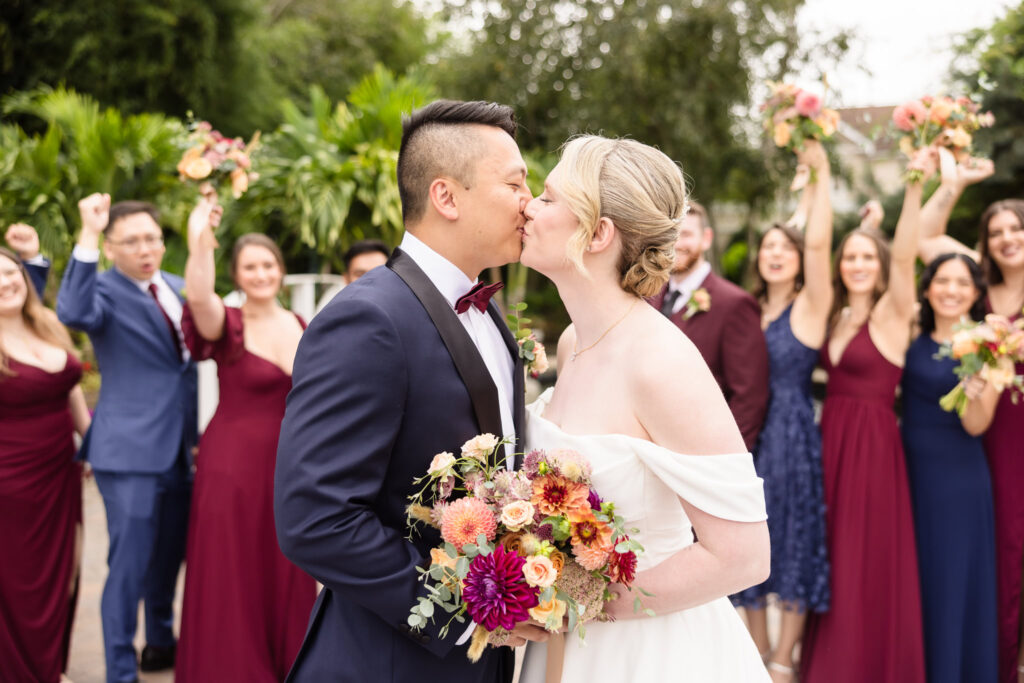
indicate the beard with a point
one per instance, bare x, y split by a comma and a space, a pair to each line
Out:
686, 266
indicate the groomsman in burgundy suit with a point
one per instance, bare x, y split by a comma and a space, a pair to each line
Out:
722, 320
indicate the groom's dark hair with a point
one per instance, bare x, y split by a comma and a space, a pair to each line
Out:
436, 141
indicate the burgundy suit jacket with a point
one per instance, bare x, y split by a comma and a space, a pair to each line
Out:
729, 337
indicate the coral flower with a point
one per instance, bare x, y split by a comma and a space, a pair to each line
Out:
496, 594
808, 104
554, 495
465, 519
591, 540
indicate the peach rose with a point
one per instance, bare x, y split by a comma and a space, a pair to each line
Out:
941, 109
480, 447
829, 121
963, 344
540, 359
549, 613
781, 134
517, 515
441, 464
959, 137
439, 556
1000, 376
194, 166
239, 182
539, 571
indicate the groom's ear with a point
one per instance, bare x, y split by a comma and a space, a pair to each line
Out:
604, 235
442, 198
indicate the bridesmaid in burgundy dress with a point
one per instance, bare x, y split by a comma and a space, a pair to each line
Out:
873, 630
41, 405
1001, 256
245, 606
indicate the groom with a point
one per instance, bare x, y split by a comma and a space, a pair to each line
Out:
405, 363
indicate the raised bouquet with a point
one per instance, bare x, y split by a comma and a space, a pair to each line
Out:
210, 159
989, 349
793, 115
941, 122
534, 543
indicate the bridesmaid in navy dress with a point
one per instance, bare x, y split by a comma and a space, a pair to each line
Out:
41, 406
795, 293
948, 473
245, 606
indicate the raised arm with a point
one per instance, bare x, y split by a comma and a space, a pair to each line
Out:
937, 210
200, 272
810, 311
79, 303
901, 295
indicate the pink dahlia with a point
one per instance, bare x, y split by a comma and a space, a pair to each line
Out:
495, 592
465, 519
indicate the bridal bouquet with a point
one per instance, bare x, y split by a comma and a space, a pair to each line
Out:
793, 115
211, 159
988, 349
940, 122
535, 543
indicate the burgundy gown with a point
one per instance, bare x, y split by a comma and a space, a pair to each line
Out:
1004, 446
40, 510
245, 607
873, 629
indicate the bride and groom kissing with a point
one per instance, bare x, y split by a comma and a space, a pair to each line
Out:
413, 359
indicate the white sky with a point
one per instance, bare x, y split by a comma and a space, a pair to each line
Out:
906, 44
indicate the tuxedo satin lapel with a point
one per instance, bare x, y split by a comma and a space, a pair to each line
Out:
468, 362
518, 381
144, 303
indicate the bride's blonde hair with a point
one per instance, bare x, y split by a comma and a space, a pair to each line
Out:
641, 190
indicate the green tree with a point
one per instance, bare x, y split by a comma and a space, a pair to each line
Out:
990, 66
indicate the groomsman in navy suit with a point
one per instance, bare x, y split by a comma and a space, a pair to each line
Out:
722, 320
24, 241
410, 360
144, 427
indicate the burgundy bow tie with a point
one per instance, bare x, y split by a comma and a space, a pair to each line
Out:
478, 296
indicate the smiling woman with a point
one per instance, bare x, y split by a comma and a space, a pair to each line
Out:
40, 484
241, 594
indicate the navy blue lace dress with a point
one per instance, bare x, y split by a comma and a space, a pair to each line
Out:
788, 458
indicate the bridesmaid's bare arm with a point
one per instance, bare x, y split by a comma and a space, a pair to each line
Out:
79, 410
200, 272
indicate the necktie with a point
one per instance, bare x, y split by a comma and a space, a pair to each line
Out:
167, 319
669, 302
478, 296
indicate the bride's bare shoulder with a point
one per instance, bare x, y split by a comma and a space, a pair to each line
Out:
669, 380
566, 343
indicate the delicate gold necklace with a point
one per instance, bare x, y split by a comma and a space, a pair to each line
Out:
614, 324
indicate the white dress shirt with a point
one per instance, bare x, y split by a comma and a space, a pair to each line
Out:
453, 283
688, 286
164, 294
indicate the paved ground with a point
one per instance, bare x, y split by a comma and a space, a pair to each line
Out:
86, 662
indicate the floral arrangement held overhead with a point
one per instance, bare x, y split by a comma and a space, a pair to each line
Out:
941, 122
210, 159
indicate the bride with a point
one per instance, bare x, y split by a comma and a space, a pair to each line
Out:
635, 397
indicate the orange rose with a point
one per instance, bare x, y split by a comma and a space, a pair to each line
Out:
963, 344
781, 134
549, 613
239, 182
194, 166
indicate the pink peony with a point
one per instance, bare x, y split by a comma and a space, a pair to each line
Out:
465, 519
909, 114
808, 104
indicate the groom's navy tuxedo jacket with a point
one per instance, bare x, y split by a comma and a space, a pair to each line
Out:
385, 377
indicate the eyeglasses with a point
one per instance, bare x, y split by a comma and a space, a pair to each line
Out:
135, 243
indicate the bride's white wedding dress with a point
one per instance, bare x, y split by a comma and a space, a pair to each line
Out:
703, 644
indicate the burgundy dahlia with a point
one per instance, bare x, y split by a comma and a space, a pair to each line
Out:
622, 566
496, 594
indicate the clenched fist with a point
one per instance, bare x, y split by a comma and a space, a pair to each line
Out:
23, 240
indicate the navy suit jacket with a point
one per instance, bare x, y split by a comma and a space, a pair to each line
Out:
147, 407
37, 273
385, 377
729, 337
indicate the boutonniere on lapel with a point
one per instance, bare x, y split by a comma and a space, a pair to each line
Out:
700, 302
535, 359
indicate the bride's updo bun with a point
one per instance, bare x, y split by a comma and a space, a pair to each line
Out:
641, 190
